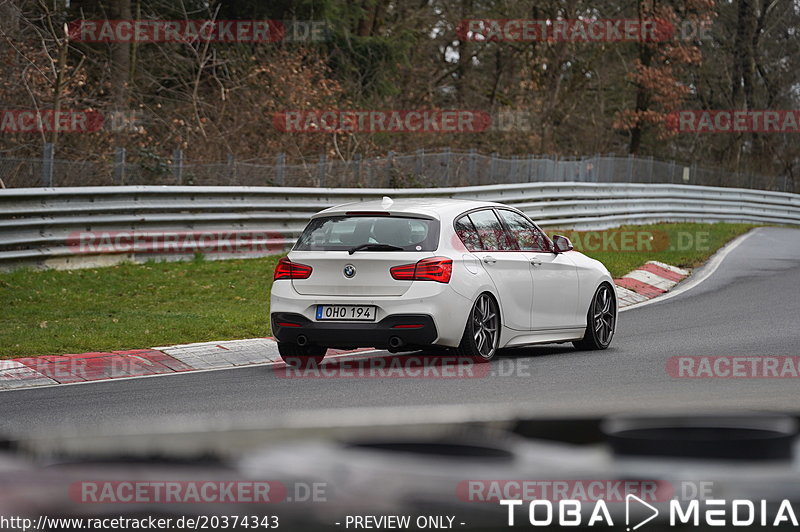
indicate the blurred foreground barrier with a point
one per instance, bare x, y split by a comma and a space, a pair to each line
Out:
92, 226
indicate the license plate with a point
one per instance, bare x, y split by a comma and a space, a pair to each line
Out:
346, 312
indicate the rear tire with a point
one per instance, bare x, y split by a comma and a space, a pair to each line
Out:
482, 332
301, 356
601, 321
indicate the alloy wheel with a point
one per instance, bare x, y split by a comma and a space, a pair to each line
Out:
485, 326
603, 315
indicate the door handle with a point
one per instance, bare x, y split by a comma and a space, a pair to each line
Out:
536, 262
488, 259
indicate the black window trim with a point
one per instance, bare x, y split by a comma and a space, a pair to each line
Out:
547, 240
500, 220
475, 229
505, 227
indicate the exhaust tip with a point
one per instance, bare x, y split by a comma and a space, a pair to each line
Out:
302, 340
395, 341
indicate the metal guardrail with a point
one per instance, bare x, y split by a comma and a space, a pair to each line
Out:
43, 226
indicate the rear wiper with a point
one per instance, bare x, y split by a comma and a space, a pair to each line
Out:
373, 247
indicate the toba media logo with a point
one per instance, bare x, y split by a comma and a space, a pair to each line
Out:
709, 512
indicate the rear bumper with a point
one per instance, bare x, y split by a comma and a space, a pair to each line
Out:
447, 308
411, 329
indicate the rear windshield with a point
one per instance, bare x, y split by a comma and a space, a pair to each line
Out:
341, 233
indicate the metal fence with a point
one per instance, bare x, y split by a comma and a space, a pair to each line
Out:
48, 227
422, 169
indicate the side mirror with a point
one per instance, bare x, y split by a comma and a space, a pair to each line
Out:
561, 244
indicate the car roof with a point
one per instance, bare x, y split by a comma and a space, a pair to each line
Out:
440, 208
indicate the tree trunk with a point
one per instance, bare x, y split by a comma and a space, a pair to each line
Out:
743, 67
464, 58
120, 58
642, 95
642, 103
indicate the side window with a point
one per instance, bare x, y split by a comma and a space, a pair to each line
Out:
527, 235
491, 232
468, 234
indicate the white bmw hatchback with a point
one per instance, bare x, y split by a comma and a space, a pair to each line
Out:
410, 274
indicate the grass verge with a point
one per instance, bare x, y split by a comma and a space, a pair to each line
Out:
134, 306
625, 248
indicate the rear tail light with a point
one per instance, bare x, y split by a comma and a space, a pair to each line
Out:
437, 269
287, 269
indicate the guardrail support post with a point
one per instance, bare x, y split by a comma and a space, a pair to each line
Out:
514, 169
389, 169
280, 167
48, 156
231, 169
530, 167
177, 165
119, 166
357, 168
472, 167
322, 174
554, 169
447, 157
630, 168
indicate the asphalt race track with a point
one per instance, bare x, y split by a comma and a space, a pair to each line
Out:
749, 306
